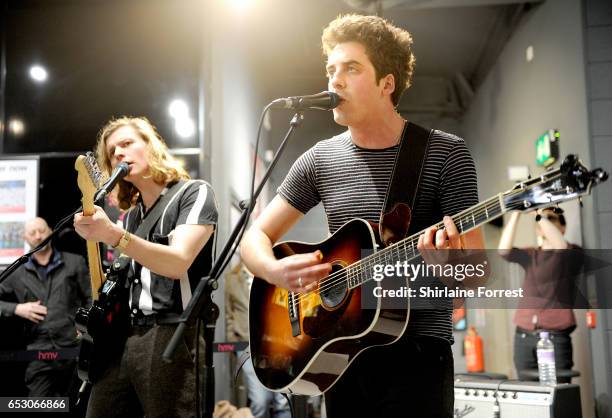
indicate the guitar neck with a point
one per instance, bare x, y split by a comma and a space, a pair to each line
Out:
472, 217
96, 274
95, 268
406, 249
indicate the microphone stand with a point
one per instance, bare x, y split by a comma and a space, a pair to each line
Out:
201, 304
98, 200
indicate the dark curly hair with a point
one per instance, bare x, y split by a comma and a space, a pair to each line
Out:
388, 47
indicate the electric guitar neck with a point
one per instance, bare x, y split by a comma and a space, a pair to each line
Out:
89, 180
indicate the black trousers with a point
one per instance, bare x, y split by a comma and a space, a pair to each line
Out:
50, 378
525, 356
412, 378
140, 383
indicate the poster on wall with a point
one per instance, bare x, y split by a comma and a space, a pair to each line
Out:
18, 203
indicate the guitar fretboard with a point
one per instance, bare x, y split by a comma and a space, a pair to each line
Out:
89, 180
406, 249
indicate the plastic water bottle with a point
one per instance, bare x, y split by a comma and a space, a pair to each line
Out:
546, 360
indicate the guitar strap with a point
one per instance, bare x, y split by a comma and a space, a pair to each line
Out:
156, 211
404, 183
151, 217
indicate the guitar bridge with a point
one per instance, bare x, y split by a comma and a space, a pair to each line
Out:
294, 313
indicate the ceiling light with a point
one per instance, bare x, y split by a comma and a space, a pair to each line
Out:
241, 4
184, 127
178, 109
16, 127
38, 73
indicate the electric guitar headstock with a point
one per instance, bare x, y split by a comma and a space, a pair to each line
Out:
571, 180
89, 180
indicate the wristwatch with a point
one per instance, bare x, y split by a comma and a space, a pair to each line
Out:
124, 241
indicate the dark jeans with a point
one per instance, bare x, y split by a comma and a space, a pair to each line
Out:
525, 343
141, 383
411, 378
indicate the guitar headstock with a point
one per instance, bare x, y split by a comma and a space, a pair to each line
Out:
570, 181
89, 179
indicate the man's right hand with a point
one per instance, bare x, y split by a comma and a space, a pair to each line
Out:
32, 311
297, 272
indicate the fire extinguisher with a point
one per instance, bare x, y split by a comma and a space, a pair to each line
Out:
591, 319
474, 357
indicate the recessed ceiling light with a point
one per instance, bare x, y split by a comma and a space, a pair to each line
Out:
16, 127
184, 127
38, 73
178, 109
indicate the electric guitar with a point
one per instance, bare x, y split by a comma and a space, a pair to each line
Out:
104, 326
303, 342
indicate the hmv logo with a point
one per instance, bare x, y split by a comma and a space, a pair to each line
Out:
48, 355
226, 347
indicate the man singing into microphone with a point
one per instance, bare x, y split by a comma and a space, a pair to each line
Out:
369, 65
167, 265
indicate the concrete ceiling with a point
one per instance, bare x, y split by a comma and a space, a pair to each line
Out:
97, 49
455, 43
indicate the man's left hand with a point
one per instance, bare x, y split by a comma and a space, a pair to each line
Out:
440, 239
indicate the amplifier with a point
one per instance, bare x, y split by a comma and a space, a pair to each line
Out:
476, 399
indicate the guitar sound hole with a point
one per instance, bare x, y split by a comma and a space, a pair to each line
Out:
333, 290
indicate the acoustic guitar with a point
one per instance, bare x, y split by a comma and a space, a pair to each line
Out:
303, 342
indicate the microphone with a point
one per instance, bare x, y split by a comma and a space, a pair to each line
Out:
326, 100
120, 172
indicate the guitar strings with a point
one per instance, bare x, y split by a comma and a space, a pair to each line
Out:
339, 278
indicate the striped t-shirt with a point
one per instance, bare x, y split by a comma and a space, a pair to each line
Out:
193, 204
352, 182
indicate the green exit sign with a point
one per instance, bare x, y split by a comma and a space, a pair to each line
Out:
547, 148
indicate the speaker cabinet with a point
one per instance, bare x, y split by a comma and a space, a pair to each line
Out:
476, 399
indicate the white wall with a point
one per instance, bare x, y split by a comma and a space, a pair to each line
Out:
518, 101
233, 108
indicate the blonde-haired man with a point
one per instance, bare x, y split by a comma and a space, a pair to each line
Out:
167, 263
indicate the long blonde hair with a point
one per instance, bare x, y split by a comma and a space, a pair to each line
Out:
163, 167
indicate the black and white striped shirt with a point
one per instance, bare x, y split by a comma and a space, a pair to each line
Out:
193, 204
351, 182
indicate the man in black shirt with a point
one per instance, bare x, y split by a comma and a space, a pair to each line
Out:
47, 291
369, 65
